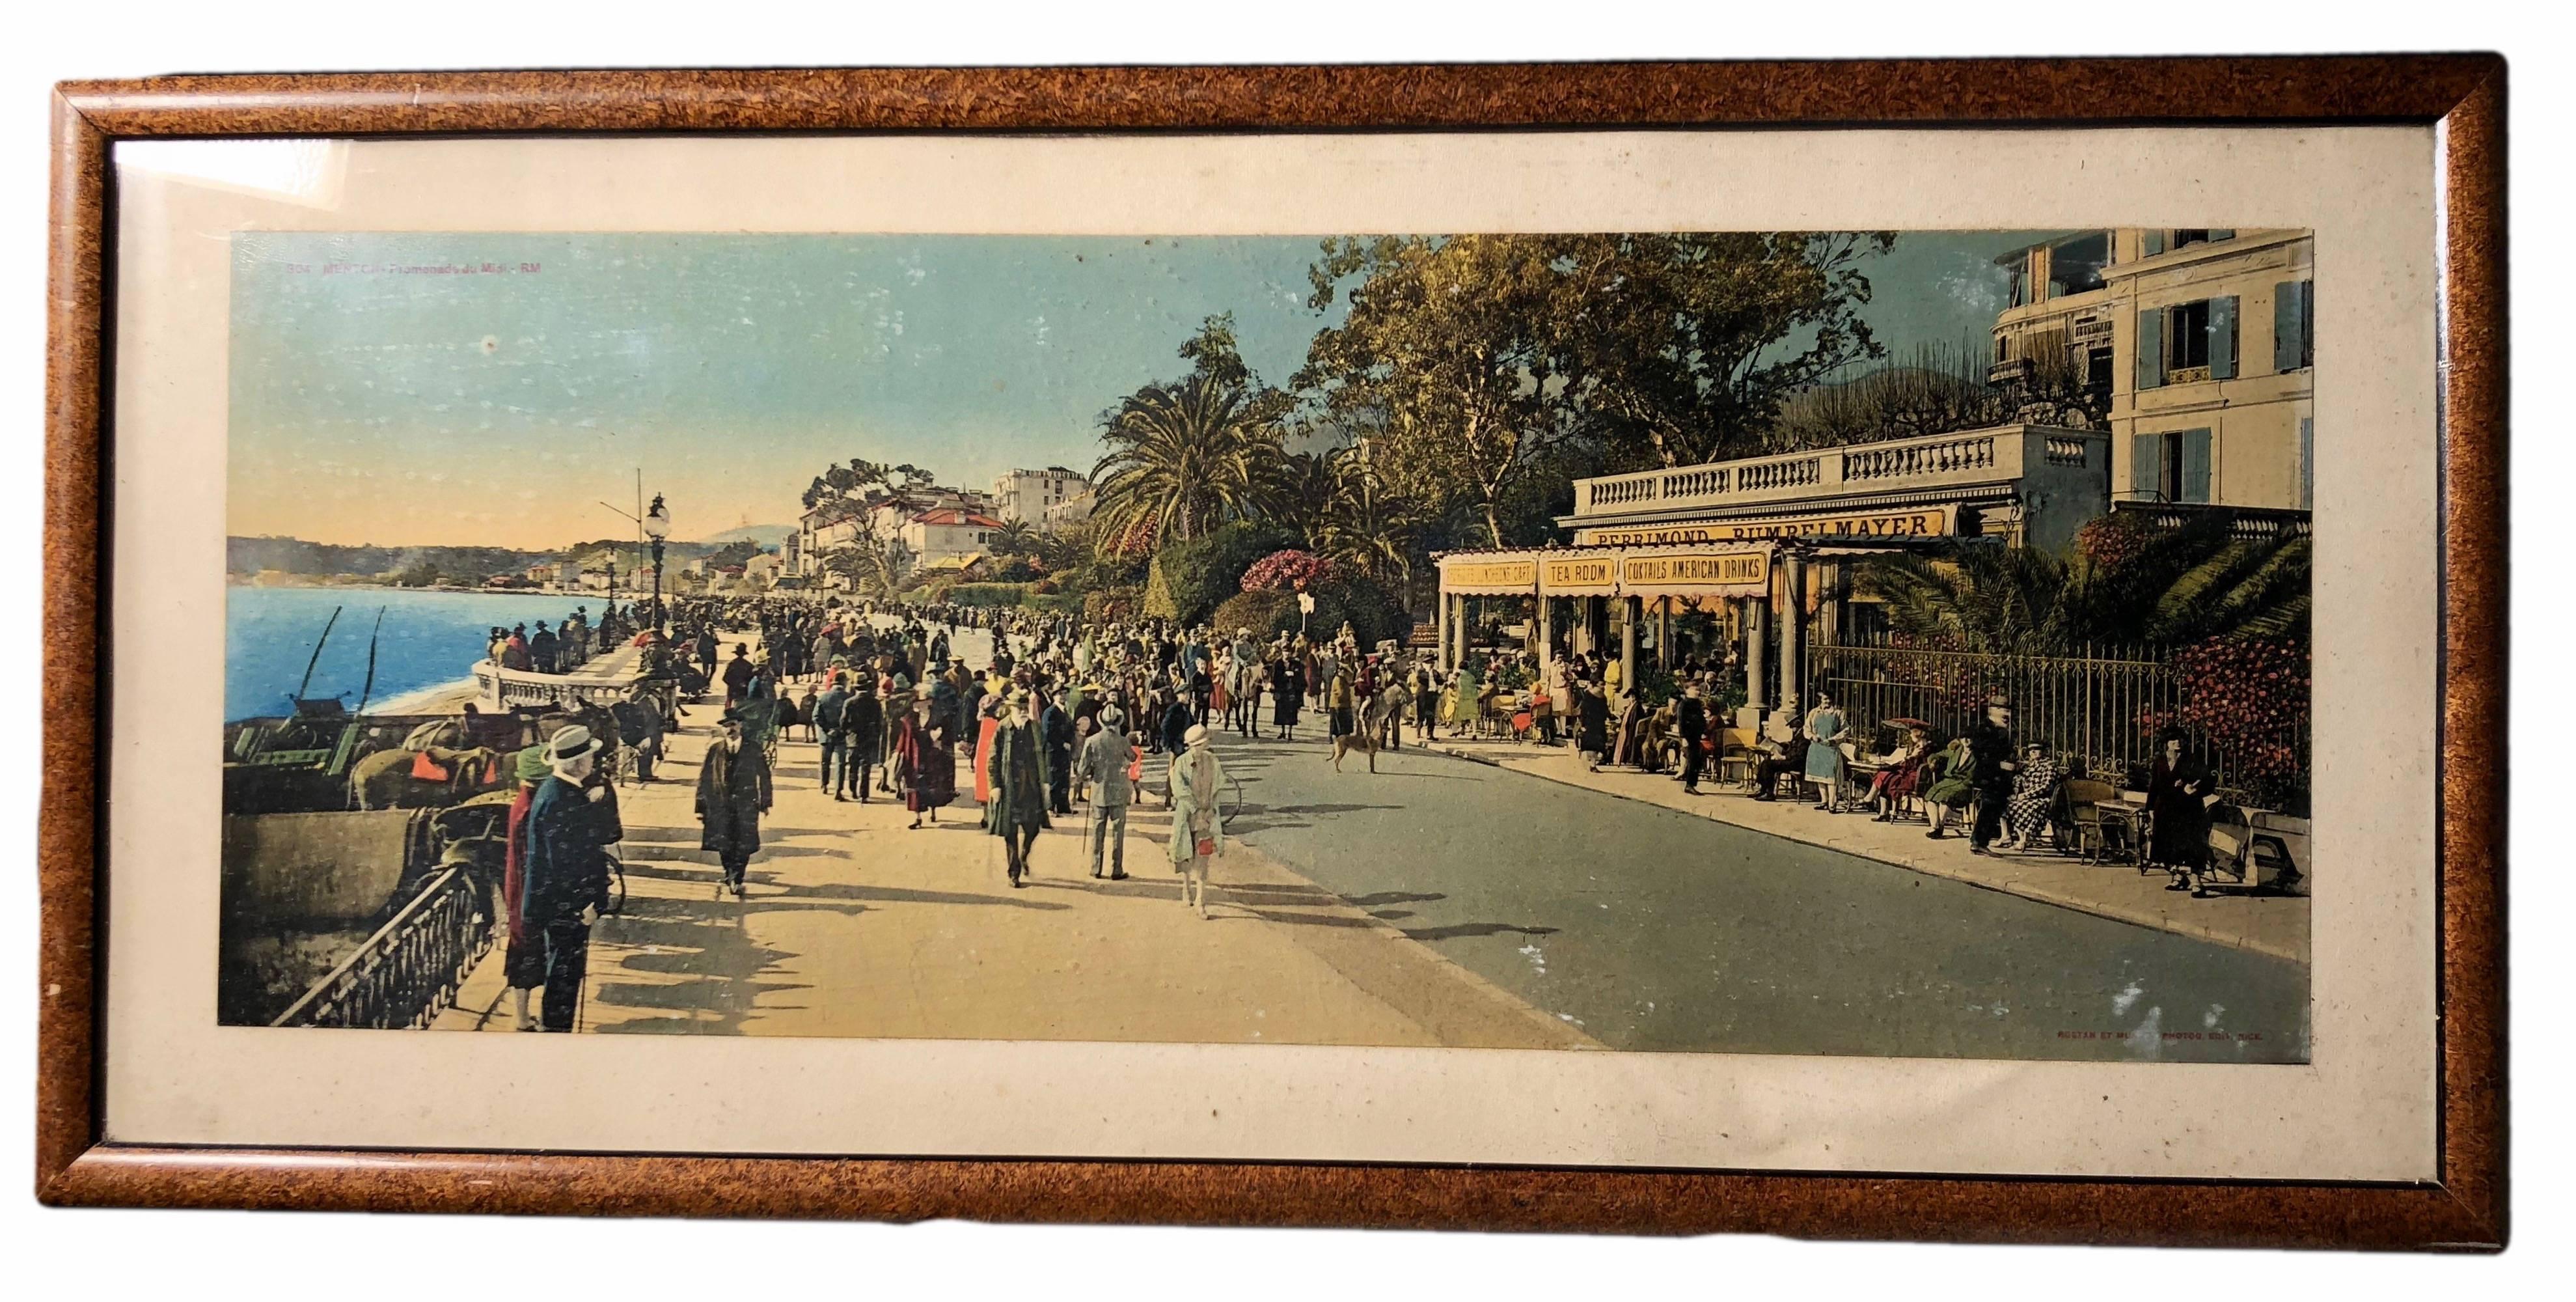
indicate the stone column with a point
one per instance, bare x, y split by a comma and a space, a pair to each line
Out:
1793, 629
1664, 633
1757, 654
1545, 635
1445, 599
1630, 611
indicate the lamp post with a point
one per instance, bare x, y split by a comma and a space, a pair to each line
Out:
657, 526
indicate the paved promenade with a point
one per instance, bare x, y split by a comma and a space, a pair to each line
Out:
856, 926
2272, 925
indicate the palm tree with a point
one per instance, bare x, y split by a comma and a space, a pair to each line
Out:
1017, 538
1976, 596
1364, 524
1189, 456
2247, 587
1299, 491
2181, 587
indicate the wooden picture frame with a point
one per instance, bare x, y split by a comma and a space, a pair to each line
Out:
2462, 95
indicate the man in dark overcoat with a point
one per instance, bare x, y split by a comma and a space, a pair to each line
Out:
1056, 728
570, 824
1990, 744
1018, 810
733, 792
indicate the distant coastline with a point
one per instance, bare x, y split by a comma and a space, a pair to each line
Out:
281, 580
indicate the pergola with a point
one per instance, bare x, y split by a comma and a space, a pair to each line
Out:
1627, 579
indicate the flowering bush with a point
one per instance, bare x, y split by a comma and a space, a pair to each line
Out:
1109, 605
2114, 542
2248, 697
1288, 571
1134, 541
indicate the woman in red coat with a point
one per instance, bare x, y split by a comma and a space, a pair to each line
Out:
523, 964
923, 762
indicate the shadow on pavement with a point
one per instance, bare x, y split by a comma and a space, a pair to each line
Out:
1463, 930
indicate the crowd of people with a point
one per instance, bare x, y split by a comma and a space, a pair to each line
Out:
1056, 714
1979, 784
1062, 712
570, 644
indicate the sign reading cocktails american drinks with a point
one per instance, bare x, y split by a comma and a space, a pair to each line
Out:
1696, 570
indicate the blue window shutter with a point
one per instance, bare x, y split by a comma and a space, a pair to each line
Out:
2222, 338
2289, 326
2151, 348
2154, 243
2195, 465
2146, 466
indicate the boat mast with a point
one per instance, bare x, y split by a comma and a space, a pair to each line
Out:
370, 689
317, 652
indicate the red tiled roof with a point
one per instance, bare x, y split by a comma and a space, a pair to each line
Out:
952, 515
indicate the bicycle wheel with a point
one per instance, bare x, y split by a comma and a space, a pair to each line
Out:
1230, 802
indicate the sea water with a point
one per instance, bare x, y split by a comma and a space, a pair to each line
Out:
427, 639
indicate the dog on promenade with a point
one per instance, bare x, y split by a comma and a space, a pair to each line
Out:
1364, 738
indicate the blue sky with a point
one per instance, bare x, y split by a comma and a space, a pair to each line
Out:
381, 393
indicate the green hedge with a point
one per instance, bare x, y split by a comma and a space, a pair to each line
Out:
1265, 613
1188, 579
1373, 615
992, 594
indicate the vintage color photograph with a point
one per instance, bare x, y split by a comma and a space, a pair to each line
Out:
1887, 643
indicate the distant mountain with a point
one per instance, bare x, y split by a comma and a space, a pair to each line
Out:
764, 535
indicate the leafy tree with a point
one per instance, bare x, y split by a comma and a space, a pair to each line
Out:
874, 568
1937, 390
1214, 356
853, 481
1188, 579
1469, 358
1679, 348
1448, 357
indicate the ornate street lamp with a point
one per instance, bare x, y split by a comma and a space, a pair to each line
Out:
657, 526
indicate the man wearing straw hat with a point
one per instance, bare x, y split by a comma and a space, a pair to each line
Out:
1103, 767
564, 867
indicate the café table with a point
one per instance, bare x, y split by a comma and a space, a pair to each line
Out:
2130, 816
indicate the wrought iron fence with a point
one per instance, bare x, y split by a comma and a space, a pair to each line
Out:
409, 972
2089, 710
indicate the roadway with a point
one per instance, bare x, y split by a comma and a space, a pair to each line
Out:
1658, 931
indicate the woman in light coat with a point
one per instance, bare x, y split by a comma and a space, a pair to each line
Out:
1198, 829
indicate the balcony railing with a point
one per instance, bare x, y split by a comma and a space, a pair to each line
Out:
2009, 452
2249, 522
411, 969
